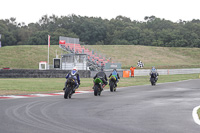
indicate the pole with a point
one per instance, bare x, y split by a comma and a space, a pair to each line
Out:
74, 51
74, 45
48, 49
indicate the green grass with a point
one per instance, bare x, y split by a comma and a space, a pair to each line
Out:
161, 57
10, 86
198, 112
29, 56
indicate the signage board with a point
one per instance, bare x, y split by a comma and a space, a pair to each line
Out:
56, 63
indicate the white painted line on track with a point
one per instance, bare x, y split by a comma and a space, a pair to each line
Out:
39, 95
195, 115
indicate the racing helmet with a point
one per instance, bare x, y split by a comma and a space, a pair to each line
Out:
153, 68
74, 71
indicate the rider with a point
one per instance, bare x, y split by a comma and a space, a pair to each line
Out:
102, 76
154, 73
116, 75
74, 74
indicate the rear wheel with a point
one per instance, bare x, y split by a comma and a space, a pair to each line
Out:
111, 86
96, 89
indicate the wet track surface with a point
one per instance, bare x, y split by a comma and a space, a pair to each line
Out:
164, 108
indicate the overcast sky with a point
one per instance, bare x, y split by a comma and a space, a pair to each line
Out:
32, 10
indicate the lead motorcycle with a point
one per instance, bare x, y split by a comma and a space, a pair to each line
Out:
97, 86
70, 85
112, 83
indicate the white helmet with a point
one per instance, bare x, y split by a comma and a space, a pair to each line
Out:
74, 71
74, 68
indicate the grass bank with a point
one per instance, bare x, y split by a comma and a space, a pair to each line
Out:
29, 56
48, 85
161, 57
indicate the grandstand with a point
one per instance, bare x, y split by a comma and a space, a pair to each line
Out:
94, 61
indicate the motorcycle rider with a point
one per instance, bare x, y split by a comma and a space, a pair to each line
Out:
154, 73
102, 76
116, 75
73, 74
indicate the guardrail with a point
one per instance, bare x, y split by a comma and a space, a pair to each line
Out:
144, 72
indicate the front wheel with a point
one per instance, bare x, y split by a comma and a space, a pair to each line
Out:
153, 82
68, 93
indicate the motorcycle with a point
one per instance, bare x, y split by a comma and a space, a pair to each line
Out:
153, 79
70, 85
112, 83
97, 86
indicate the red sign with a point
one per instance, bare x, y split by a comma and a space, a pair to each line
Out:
62, 42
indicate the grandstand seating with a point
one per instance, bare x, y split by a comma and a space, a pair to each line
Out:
94, 61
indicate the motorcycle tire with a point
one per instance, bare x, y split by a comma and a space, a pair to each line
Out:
111, 86
67, 93
153, 83
95, 90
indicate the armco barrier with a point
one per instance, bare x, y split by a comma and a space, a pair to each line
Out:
34, 73
144, 72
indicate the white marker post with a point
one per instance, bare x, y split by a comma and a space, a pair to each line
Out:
48, 48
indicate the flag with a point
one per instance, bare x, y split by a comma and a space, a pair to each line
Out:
49, 40
140, 64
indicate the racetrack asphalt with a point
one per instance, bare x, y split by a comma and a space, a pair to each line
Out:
164, 108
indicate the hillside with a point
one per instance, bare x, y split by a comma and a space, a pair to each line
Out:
161, 57
29, 56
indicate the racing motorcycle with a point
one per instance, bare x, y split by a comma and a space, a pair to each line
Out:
97, 86
70, 85
112, 83
153, 79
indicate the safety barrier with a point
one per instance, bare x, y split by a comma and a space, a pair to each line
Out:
126, 74
34, 73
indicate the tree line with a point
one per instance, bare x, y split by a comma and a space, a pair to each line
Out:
121, 30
